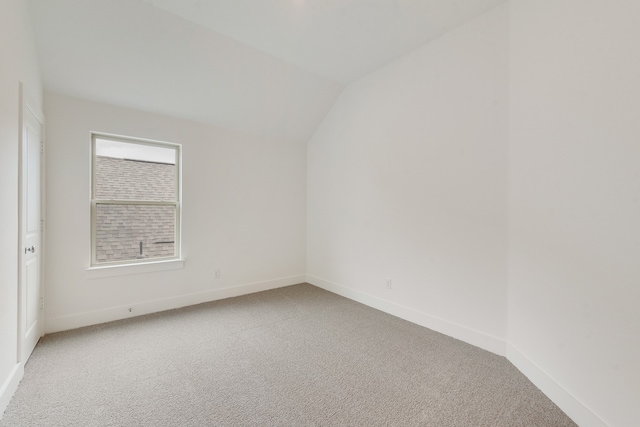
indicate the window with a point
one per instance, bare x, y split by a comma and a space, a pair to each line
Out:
135, 200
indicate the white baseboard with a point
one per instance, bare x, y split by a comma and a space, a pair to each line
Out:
10, 386
471, 336
73, 321
572, 406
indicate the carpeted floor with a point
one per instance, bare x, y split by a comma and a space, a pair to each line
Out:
293, 356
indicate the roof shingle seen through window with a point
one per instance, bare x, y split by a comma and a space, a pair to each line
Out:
120, 229
134, 180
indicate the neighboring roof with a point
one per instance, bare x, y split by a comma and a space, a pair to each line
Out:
134, 179
120, 229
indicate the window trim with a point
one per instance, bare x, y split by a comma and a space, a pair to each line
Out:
95, 201
128, 269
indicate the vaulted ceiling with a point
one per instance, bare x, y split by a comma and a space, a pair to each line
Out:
269, 67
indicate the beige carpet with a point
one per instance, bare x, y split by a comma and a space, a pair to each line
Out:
294, 356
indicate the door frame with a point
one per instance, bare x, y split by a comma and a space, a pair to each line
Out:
27, 105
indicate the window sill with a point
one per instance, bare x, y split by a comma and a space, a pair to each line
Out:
128, 269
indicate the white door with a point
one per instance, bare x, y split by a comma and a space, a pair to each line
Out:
31, 302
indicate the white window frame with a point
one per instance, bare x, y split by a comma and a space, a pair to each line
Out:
96, 201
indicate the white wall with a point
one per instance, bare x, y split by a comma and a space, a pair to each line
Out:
18, 63
243, 212
574, 203
407, 179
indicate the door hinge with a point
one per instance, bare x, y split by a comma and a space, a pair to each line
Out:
42, 147
41, 302
42, 225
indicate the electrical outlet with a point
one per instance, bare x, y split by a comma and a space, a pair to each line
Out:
216, 273
388, 284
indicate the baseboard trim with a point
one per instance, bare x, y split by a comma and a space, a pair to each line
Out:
74, 321
10, 386
571, 405
471, 336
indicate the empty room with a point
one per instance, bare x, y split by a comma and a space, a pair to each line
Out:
320, 212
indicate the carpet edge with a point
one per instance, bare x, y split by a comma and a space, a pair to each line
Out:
10, 386
580, 413
79, 320
463, 333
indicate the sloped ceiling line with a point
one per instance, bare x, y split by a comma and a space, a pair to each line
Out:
268, 67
